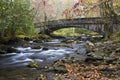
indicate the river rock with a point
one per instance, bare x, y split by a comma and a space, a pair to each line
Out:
38, 40
70, 41
59, 67
96, 38
7, 49
45, 48
89, 47
2, 51
32, 64
36, 47
62, 45
95, 57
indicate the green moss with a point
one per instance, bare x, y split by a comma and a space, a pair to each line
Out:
59, 67
117, 36
41, 77
32, 64
73, 32
2, 51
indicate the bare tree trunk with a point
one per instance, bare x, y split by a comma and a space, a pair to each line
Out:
45, 16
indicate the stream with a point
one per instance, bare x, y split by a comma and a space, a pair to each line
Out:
27, 54
14, 66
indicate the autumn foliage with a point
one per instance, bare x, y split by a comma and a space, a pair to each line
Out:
68, 13
82, 7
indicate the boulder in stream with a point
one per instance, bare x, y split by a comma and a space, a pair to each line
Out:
45, 48
36, 47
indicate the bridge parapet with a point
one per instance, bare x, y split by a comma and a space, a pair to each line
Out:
96, 24
77, 21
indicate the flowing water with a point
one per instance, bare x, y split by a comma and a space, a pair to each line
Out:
27, 54
13, 66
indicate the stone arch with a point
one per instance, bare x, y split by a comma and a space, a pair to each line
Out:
94, 28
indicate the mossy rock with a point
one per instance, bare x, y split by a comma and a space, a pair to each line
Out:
38, 40
59, 67
43, 36
10, 50
45, 48
2, 51
7, 49
36, 47
32, 64
41, 77
70, 41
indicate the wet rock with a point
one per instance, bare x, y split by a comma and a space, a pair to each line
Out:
32, 64
45, 48
36, 47
27, 38
62, 45
11, 49
89, 47
41, 37
90, 44
2, 51
7, 49
96, 38
37, 40
69, 41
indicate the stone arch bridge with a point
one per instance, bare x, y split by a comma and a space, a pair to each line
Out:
97, 24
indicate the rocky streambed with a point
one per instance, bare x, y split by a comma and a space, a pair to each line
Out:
67, 59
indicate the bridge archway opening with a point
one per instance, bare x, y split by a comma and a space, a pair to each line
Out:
73, 31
